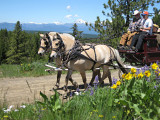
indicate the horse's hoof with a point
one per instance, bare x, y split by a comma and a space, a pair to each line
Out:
65, 88
76, 85
57, 86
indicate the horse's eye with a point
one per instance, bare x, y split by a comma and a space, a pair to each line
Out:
57, 44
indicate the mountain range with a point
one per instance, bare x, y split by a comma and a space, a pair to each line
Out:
63, 28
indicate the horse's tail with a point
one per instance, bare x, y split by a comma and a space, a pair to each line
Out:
119, 61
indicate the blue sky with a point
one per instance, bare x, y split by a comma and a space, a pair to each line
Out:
50, 11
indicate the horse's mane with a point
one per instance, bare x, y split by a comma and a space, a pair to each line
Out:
52, 33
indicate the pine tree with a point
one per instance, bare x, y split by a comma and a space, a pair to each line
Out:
3, 44
118, 19
77, 34
156, 18
16, 50
33, 46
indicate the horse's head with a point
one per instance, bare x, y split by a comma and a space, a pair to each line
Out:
45, 43
57, 45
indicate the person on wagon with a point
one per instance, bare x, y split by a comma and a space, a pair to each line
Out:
131, 31
146, 29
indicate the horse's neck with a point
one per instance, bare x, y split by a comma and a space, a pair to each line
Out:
68, 44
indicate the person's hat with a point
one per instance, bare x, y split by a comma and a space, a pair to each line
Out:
136, 12
145, 13
155, 25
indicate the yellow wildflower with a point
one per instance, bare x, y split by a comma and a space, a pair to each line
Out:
157, 71
114, 86
159, 74
154, 66
118, 83
147, 73
5, 116
123, 76
133, 70
128, 76
28, 64
43, 109
140, 75
100, 116
134, 75
128, 111
95, 110
113, 116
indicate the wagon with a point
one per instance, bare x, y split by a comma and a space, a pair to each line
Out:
150, 53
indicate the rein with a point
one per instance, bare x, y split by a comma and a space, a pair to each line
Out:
75, 52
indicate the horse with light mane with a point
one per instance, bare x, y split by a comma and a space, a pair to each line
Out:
45, 45
82, 58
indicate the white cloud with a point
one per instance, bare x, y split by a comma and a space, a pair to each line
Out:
81, 21
68, 7
68, 16
58, 23
37, 23
76, 15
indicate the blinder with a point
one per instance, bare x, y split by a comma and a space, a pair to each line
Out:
61, 44
47, 43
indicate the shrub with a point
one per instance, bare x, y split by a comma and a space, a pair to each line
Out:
139, 93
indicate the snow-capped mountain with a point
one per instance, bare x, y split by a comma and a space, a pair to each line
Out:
56, 26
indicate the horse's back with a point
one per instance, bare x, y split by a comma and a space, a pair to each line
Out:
99, 53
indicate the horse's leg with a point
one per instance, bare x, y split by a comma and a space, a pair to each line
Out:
73, 82
58, 78
109, 75
83, 74
99, 75
94, 74
106, 73
67, 78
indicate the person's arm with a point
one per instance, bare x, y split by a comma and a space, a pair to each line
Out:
145, 29
150, 26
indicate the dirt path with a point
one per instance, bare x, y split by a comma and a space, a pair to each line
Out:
15, 91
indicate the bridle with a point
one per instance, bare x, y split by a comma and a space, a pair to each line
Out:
61, 45
47, 43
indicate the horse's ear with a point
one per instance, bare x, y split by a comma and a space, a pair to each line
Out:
47, 35
58, 36
41, 35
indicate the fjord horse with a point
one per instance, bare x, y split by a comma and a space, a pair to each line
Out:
45, 45
82, 58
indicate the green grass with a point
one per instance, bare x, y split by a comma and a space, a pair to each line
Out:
23, 70
34, 69
83, 107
